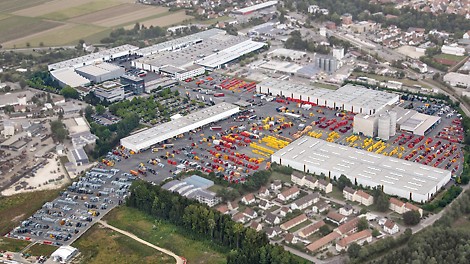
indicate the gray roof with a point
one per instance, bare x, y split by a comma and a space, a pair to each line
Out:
349, 190
306, 199
199, 182
79, 155
366, 166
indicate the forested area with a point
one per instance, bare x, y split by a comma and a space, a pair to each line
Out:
247, 245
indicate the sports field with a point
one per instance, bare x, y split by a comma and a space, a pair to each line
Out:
64, 22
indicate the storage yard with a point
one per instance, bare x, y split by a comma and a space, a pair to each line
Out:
237, 146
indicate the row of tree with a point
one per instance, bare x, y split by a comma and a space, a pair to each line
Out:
247, 245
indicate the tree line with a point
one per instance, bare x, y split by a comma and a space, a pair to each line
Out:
246, 245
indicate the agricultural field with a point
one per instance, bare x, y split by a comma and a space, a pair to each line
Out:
36, 23
165, 235
102, 245
450, 57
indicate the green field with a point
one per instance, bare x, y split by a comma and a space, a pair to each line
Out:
102, 245
406, 82
41, 250
166, 235
80, 10
65, 35
279, 176
13, 245
15, 27
15, 208
449, 57
7, 6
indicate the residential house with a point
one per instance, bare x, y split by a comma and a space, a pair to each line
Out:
310, 182
466, 35
263, 191
297, 178
359, 238
391, 227
397, 205
290, 238
239, 218
348, 193
364, 198
310, 229
346, 210
284, 211
276, 185
325, 186
232, 205
305, 201
289, 194
348, 228
336, 218
293, 222
412, 207
273, 231
272, 219
265, 205
249, 199
250, 213
256, 226
223, 209
323, 242
320, 207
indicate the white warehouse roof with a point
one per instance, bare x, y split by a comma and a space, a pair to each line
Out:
355, 98
230, 54
255, 7
94, 57
69, 77
397, 176
159, 133
180, 42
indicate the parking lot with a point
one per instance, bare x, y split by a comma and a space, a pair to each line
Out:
238, 146
65, 219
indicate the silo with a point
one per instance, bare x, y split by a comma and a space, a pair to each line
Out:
384, 127
393, 123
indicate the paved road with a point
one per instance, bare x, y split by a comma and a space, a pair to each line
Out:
178, 259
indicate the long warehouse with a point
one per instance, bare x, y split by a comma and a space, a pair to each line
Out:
353, 98
406, 179
160, 133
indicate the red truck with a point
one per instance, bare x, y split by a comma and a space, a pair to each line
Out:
219, 95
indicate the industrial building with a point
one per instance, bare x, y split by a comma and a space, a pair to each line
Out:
68, 77
160, 133
415, 122
110, 91
93, 58
194, 187
403, 178
101, 72
158, 84
327, 64
191, 55
254, 8
382, 125
133, 84
457, 79
78, 157
352, 98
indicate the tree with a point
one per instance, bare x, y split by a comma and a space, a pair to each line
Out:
22, 83
100, 109
324, 230
381, 200
353, 250
375, 233
344, 181
363, 224
69, 92
89, 111
411, 218
59, 133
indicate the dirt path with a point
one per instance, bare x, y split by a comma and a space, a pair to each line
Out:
179, 260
